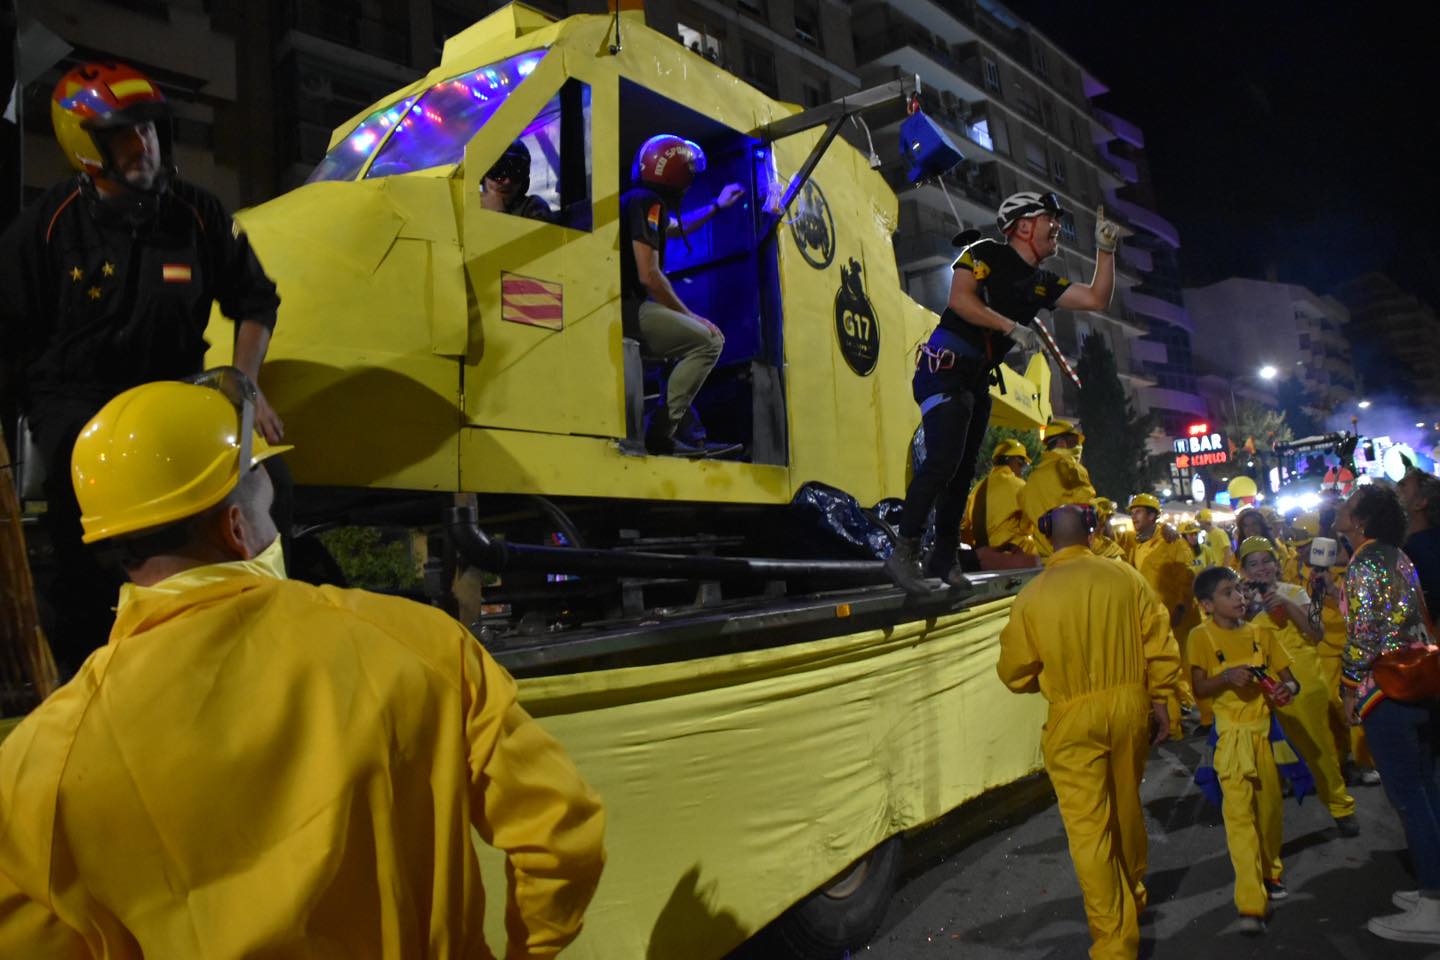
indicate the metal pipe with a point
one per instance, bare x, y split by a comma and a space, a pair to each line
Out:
498, 556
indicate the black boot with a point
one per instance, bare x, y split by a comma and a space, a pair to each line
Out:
660, 439
944, 565
903, 566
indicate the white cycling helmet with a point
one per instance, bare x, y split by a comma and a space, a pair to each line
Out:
1018, 206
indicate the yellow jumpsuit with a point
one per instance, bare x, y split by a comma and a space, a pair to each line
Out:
1214, 547
1244, 759
1057, 478
1090, 635
1166, 566
1102, 545
1005, 522
1349, 741
254, 766
1306, 719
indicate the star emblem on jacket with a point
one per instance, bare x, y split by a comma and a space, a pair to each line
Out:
76, 273
108, 269
93, 293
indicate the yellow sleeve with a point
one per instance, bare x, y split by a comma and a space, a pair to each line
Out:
1162, 653
1019, 664
1270, 645
28, 929
529, 800
967, 523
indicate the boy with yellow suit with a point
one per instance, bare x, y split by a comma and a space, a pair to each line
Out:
1306, 720
1225, 650
1165, 565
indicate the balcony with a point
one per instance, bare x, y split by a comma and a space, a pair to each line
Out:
1136, 259
1127, 169
1159, 398
895, 37
1147, 220
1149, 306
1148, 351
1123, 129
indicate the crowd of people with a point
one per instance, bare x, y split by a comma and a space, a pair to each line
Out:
1263, 643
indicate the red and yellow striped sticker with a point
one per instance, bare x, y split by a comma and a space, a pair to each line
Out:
175, 272
538, 303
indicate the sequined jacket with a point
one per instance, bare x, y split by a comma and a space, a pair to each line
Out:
1383, 612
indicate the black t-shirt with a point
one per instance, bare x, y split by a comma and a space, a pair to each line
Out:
1423, 549
644, 217
1009, 286
92, 305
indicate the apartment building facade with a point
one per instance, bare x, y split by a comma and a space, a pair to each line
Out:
1395, 339
1250, 324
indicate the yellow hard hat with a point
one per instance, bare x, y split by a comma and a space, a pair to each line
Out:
1256, 545
158, 453
1144, 500
1241, 487
1103, 506
1189, 526
1306, 527
1205, 516
1010, 448
1060, 428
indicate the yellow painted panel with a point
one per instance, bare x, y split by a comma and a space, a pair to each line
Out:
513, 461
734, 786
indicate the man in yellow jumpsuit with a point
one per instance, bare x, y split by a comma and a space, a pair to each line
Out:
1102, 544
253, 766
1166, 566
1214, 544
1226, 647
995, 525
1092, 637
1058, 478
1306, 720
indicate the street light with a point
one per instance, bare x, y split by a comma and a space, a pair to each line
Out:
1267, 372
1364, 404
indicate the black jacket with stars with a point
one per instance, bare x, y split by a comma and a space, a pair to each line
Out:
91, 305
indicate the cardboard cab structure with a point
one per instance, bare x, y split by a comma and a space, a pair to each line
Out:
429, 345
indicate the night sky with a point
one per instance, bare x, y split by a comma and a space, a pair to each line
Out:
1298, 136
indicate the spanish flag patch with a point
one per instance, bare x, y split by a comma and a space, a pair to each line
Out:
653, 217
175, 272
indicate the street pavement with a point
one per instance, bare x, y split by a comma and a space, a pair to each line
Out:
994, 880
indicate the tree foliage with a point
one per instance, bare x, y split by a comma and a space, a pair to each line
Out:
1115, 452
373, 559
993, 437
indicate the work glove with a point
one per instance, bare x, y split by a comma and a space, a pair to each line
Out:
1107, 232
1025, 338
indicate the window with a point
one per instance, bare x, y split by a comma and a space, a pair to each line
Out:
760, 68
756, 8
558, 142
992, 74
1047, 113
1035, 157
1042, 66
807, 23
815, 92
702, 41
979, 132
1057, 170
1077, 137
431, 131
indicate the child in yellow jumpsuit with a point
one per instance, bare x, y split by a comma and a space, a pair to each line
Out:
1222, 651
